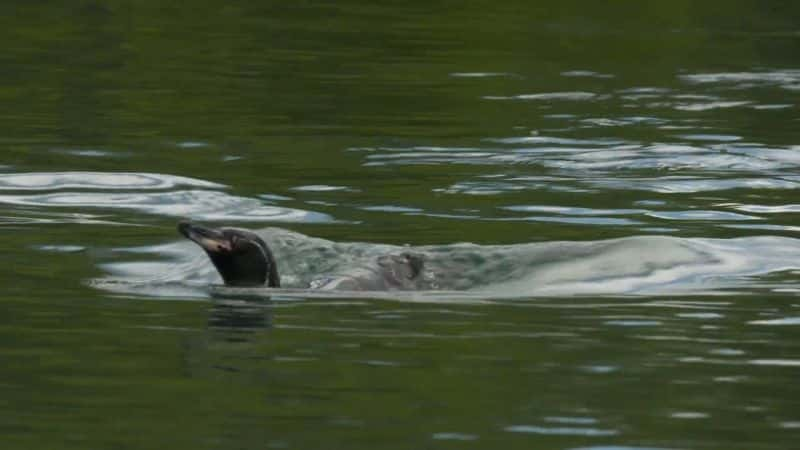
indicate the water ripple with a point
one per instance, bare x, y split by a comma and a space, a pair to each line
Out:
97, 180
685, 184
90, 153
586, 73
198, 204
323, 188
561, 431
571, 420
482, 74
765, 209
689, 415
574, 211
151, 193
705, 106
787, 79
775, 362
454, 437
700, 215
618, 447
781, 321
574, 96
595, 165
568, 142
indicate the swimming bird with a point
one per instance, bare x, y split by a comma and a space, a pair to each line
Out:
240, 256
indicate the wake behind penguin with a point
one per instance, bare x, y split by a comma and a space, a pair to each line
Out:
275, 258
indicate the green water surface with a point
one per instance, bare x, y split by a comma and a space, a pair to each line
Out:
400, 123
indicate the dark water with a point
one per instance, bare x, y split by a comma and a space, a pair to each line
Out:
605, 195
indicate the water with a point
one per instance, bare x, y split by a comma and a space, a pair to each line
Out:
605, 198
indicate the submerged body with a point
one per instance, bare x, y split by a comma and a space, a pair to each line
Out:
244, 259
637, 265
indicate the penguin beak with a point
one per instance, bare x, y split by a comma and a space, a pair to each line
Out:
210, 239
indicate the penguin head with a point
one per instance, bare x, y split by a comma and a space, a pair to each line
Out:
240, 256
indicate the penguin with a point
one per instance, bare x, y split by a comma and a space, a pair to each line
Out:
240, 256
243, 259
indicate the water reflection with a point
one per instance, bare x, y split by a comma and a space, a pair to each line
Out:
239, 315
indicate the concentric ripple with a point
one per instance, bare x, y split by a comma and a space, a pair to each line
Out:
157, 194
43, 181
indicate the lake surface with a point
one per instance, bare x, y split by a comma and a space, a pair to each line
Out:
606, 197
